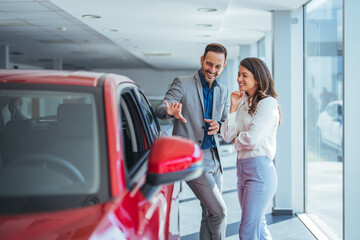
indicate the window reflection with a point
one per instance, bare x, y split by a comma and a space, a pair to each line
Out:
324, 115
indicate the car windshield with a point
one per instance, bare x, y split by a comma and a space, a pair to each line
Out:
49, 146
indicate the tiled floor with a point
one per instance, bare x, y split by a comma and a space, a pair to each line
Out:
281, 227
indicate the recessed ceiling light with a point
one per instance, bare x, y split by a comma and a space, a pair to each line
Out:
123, 39
62, 28
204, 25
56, 41
157, 54
14, 22
207, 9
110, 30
205, 35
90, 16
84, 52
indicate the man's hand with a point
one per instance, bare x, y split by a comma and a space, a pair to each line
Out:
214, 126
175, 110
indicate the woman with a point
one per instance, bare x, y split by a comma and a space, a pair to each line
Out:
251, 125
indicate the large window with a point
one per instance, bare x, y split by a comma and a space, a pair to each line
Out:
324, 115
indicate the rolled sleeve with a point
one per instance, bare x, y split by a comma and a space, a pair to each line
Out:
228, 129
263, 121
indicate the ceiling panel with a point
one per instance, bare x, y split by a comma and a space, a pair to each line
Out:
163, 34
22, 6
34, 15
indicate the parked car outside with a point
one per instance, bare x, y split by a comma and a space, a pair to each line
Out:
330, 125
82, 156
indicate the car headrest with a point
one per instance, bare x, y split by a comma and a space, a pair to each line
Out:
75, 120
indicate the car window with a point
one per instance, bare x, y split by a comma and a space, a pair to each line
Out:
162, 122
49, 145
149, 114
135, 138
52, 128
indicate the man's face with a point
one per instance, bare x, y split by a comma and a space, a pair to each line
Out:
212, 65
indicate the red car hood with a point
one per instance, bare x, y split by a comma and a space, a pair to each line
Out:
69, 224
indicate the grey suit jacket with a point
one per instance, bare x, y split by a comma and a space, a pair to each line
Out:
188, 91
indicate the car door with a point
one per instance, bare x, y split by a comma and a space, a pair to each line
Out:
146, 218
170, 192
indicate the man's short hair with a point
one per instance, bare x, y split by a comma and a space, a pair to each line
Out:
215, 47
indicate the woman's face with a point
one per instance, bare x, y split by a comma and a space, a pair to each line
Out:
247, 81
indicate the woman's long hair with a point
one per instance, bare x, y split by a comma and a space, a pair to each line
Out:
266, 86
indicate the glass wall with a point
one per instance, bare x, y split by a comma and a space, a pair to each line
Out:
323, 115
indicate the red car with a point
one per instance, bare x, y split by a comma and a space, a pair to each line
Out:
82, 156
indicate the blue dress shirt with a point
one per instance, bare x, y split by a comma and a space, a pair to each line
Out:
208, 93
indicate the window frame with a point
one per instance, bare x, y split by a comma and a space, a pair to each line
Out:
133, 175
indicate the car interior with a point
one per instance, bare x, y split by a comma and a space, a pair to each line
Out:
48, 144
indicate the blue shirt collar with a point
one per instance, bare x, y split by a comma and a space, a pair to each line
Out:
205, 83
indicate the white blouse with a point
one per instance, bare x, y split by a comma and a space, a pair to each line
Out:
255, 135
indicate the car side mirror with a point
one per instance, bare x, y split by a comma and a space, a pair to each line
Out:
173, 159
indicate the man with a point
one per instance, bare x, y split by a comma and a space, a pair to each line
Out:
199, 105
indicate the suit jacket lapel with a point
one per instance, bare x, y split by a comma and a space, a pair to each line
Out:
199, 90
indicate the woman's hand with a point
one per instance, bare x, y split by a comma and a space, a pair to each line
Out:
236, 98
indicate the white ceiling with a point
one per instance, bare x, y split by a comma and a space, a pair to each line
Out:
162, 34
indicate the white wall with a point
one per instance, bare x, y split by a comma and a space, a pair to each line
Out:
268, 50
288, 76
229, 75
351, 33
156, 82
283, 82
153, 82
297, 114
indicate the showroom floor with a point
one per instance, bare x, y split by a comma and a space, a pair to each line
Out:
281, 227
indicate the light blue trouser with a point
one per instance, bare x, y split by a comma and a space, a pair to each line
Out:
208, 188
257, 183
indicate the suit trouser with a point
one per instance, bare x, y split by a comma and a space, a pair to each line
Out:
208, 188
257, 183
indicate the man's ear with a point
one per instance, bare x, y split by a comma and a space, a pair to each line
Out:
201, 60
